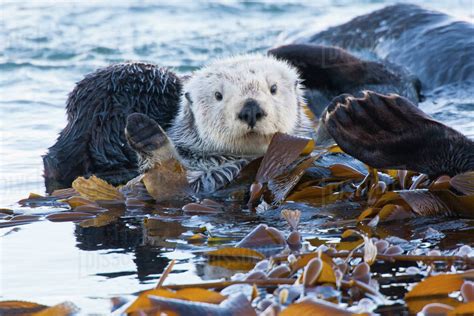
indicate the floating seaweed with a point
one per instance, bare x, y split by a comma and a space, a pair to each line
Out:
276, 271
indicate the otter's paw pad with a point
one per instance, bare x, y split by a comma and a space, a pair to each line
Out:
144, 134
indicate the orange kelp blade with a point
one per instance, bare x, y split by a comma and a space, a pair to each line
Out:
282, 151
167, 181
94, 189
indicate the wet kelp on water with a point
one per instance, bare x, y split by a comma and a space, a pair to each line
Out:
335, 236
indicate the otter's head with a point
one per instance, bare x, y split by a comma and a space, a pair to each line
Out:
238, 103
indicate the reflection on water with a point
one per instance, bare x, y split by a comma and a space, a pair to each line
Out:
46, 47
124, 236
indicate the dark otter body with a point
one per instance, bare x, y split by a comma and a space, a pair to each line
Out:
432, 45
331, 71
93, 142
417, 48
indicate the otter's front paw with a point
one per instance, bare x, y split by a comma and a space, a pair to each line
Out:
390, 132
143, 134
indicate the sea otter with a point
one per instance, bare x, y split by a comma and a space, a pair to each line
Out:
228, 113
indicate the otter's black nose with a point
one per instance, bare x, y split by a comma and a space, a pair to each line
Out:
251, 113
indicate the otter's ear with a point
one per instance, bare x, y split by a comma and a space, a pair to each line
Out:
188, 97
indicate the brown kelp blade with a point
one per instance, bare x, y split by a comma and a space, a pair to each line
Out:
282, 151
262, 236
280, 169
143, 303
281, 185
69, 216
19, 220
424, 202
441, 284
313, 306
463, 183
167, 181
236, 253
29, 308
234, 305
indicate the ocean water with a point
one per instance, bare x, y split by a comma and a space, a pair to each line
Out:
45, 47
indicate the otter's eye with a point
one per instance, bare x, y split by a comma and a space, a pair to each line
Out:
218, 96
273, 89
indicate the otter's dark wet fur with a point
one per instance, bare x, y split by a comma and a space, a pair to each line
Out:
432, 45
331, 71
93, 142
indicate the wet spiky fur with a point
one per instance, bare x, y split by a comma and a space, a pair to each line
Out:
93, 142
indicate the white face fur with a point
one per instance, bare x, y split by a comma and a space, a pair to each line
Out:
216, 94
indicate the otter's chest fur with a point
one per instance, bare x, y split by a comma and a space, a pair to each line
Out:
208, 167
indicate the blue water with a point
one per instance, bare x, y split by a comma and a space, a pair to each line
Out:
45, 47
